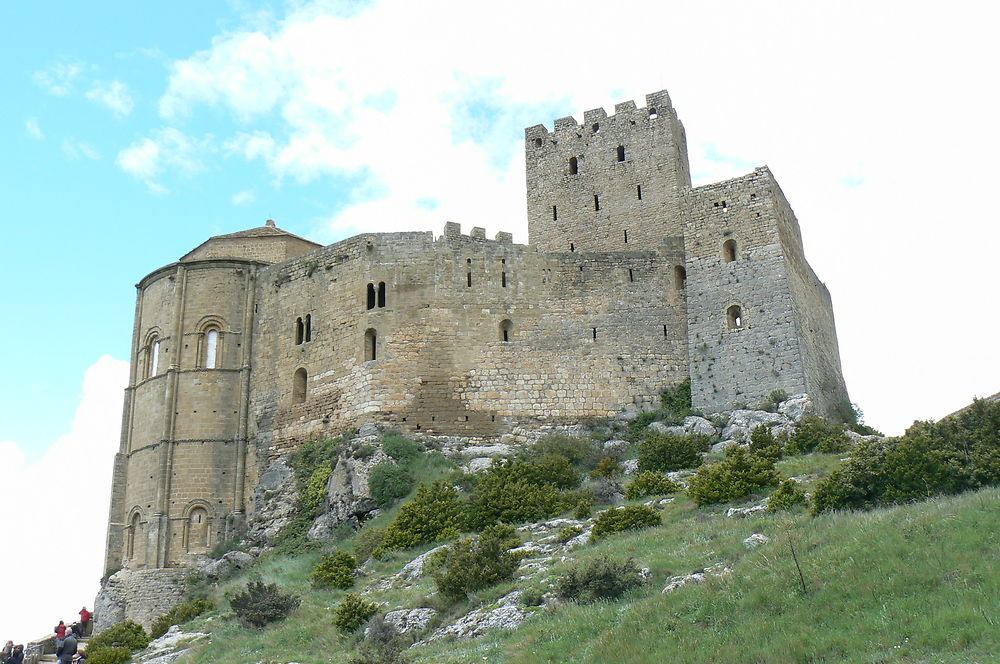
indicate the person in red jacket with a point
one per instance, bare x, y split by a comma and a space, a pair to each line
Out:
60, 634
84, 620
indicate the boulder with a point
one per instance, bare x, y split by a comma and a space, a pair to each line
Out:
630, 466
743, 422
488, 451
478, 464
615, 446
232, 560
699, 426
667, 429
509, 614
744, 512
409, 620
720, 448
796, 407
755, 540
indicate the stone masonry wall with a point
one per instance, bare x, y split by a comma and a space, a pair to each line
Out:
613, 202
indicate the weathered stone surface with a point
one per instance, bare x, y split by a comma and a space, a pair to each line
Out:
699, 426
509, 614
743, 512
717, 570
141, 595
275, 501
630, 466
488, 451
720, 448
478, 464
743, 422
410, 620
615, 446
169, 647
348, 496
230, 561
755, 540
796, 407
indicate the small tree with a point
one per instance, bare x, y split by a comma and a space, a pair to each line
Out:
261, 604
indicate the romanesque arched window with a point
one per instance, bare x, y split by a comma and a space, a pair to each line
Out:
211, 347
151, 356
729, 250
506, 329
299, 385
371, 345
197, 530
300, 331
734, 317
381, 294
371, 296
307, 332
574, 167
133, 540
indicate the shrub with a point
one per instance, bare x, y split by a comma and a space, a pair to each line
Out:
599, 579
583, 508
958, 453
532, 597
584, 453
126, 634
786, 496
179, 615
815, 434
520, 491
434, 514
608, 467
666, 452
607, 491
472, 564
314, 496
335, 571
620, 519
389, 482
568, 533
106, 655
677, 399
733, 477
648, 483
368, 543
261, 604
764, 444
400, 448
352, 612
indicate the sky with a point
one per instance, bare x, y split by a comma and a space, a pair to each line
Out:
131, 132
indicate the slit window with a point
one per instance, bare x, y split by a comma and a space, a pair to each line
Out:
211, 348
625, 232
593, 332
630, 276
555, 215
638, 191
680, 277
371, 345
299, 381
621, 153
381, 295
506, 329
734, 316
729, 251
597, 202
574, 166
571, 247
468, 271
371, 296
300, 331
308, 331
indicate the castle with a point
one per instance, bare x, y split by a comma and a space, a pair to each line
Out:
632, 281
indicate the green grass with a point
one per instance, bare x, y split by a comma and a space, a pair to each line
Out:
913, 584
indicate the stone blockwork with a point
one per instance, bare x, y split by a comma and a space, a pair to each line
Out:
138, 595
257, 341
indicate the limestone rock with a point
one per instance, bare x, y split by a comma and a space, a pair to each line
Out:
743, 422
409, 620
743, 512
699, 426
508, 615
488, 451
755, 540
630, 466
368, 429
478, 464
414, 569
667, 429
717, 570
615, 446
796, 407
231, 560
275, 500
720, 448
348, 496
169, 647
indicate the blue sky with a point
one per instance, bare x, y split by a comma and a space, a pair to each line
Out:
131, 132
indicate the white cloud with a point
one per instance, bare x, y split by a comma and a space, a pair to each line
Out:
114, 96
167, 150
54, 511
75, 149
244, 197
58, 79
31, 126
868, 142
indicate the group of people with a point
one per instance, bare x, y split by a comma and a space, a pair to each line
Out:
12, 654
67, 637
67, 643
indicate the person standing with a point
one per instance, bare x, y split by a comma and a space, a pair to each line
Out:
84, 620
67, 650
17, 657
60, 634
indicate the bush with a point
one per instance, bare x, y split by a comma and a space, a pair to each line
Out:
389, 482
607, 491
733, 477
400, 448
179, 615
959, 453
568, 533
583, 453
353, 612
666, 452
764, 444
583, 508
598, 580
472, 564
815, 434
532, 597
126, 634
648, 483
520, 491
261, 604
608, 467
786, 496
434, 514
335, 571
368, 543
620, 519
106, 655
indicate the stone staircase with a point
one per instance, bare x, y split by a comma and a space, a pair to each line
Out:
43, 650
81, 645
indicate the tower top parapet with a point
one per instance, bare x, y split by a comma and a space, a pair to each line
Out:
657, 104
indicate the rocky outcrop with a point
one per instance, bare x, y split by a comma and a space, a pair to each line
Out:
169, 647
743, 422
348, 495
410, 620
275, 500
507, 614
717, 570
231, 561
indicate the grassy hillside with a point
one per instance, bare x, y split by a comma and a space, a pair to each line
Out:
915, 583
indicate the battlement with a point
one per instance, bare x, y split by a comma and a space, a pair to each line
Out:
657, 104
